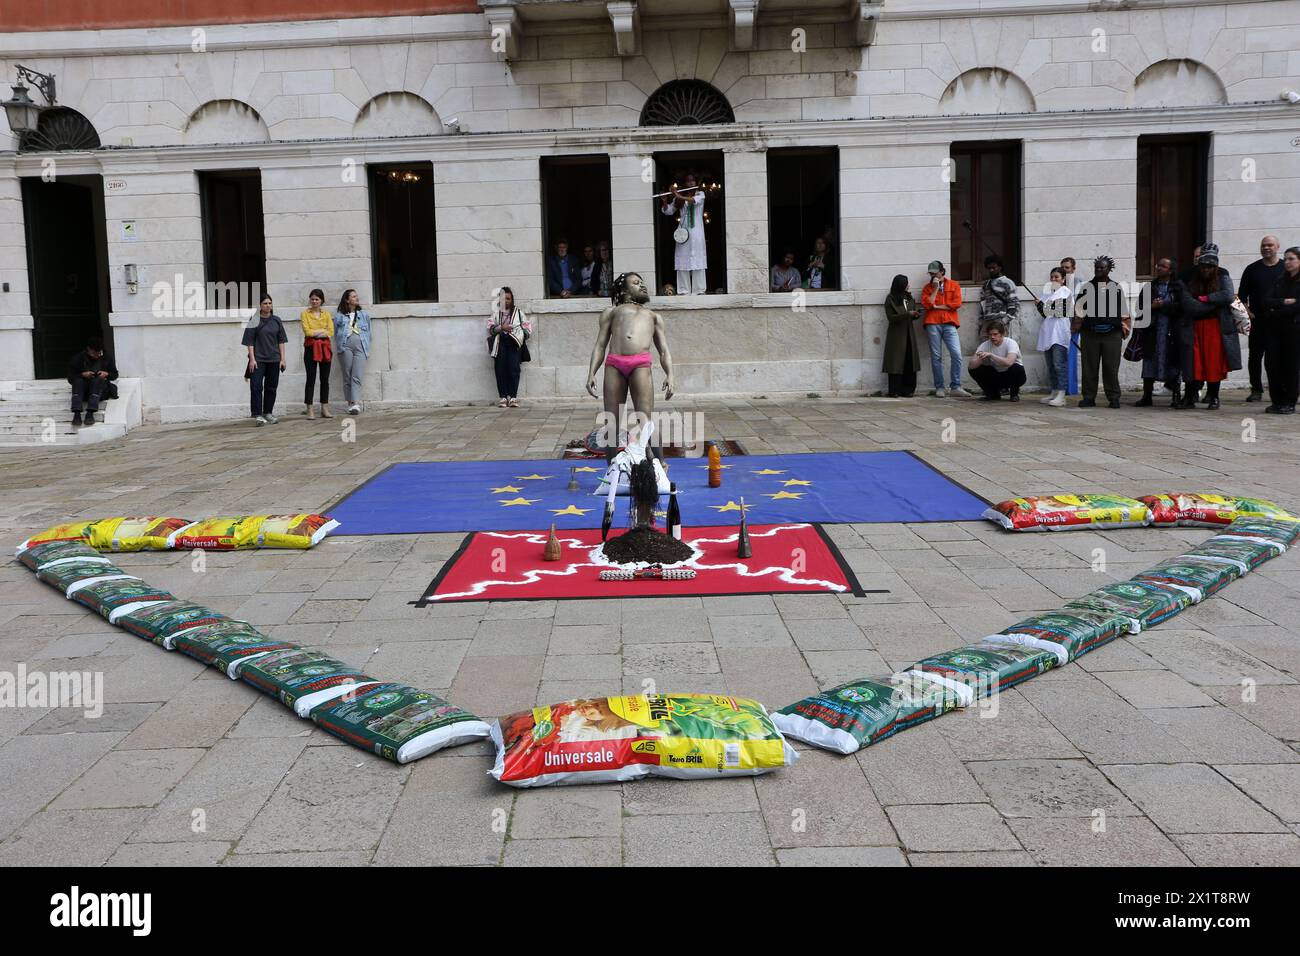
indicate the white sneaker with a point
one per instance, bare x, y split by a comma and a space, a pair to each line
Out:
1058, 400
1047, 399
959, 391
940, 393
272, 420
354, 409
260, 420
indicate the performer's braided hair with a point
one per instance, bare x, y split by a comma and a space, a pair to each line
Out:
618, 289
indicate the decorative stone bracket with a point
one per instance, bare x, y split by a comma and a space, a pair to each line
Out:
627, 25
866, 14
504, 23
744, 13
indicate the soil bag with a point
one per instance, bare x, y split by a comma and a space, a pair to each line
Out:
157, 622
604, 739
398, 722
135, 534
1207, 510
980, 670
1197, 576
72, 531
860, 713
1067, 634
293, 531
1283, 531
60, 552
1143, 603
66, 574
299, 678
225, 645
1245, 552
1069, 513
113, 597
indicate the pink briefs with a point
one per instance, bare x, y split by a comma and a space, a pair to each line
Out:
627, 364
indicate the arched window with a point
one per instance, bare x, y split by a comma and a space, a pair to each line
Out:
60, 128
686, 103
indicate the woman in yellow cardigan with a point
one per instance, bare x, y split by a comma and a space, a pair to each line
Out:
317, 351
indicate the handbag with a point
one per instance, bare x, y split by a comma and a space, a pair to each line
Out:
1133, 351
1241, 315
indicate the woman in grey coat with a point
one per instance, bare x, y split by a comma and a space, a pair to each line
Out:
1214, 347
352, 343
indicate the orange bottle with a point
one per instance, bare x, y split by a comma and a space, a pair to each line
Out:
715, 466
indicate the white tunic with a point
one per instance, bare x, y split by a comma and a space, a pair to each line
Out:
691, 254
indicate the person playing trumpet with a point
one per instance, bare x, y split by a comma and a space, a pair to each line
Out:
690, 258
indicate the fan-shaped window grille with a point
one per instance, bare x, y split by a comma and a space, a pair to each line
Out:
686, 103
60, 128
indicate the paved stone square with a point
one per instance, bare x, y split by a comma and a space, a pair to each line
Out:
1178, 746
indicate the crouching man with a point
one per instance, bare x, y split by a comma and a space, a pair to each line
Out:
91, 375
996, 364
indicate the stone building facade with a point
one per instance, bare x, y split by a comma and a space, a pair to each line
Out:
484, 94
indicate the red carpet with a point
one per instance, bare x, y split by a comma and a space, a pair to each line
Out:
508, 566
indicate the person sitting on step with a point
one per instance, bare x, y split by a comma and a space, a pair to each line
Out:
91, 374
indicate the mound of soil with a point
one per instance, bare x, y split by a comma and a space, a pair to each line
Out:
646, 545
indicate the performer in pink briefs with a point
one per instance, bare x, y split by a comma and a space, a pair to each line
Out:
628, 329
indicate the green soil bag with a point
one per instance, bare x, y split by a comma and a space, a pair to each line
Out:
302, 679
1244, 552
862, 712
67, 574
60, 552
979, 670
113, 597
157, 622
398, 722
1143, 603
1282, 531
1067, 633
1199, 577
226, 645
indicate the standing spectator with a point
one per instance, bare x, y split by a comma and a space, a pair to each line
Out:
816, 271
589, 272
1216, 348
91, 374
785, 277
1056, 306
508, 333
902, 340
265, 342
562, 270
1162, 337
997, 296
1072, 279
317, 351
1282, 315
606, 269
996, 364
1257, 282
941, 298
1102, 317
352, 341
690, 258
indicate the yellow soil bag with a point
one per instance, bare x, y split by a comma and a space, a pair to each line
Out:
233, 532
135, 534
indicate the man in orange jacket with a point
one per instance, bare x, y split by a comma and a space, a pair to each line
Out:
940, 300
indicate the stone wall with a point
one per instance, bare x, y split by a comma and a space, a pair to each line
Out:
310, 104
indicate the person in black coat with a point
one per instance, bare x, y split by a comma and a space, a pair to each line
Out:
1216, 349
91, 374
1162, 339
1282, 353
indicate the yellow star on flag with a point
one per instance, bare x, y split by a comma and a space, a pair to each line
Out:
588, 468
532, 477
729, 506
519, 501
769, 471
570, 510
506, 489
786, 494
796, 481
